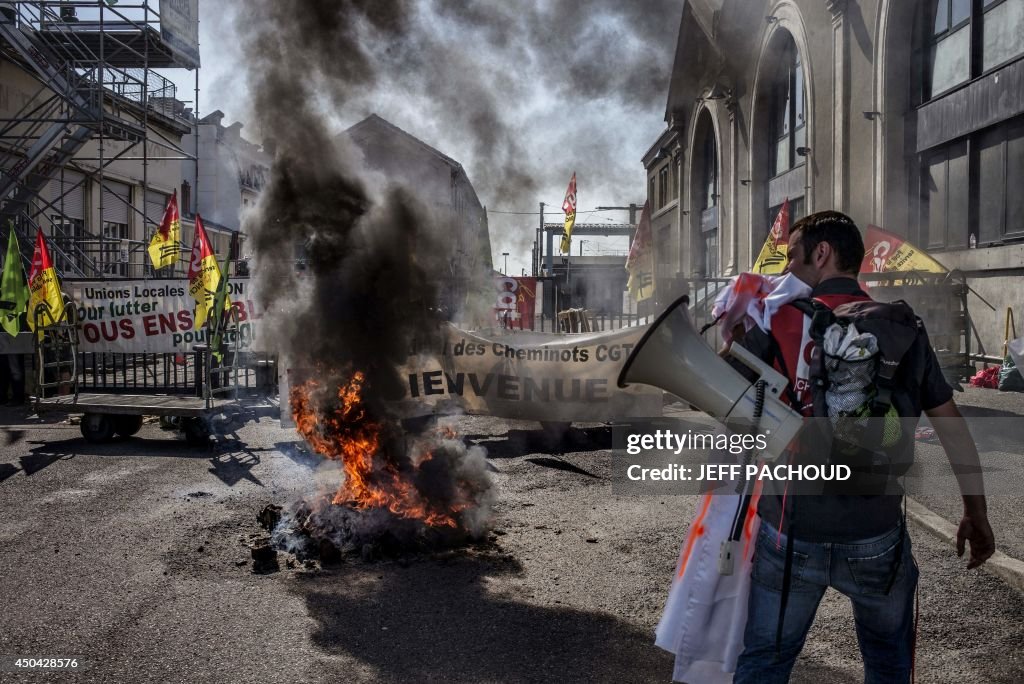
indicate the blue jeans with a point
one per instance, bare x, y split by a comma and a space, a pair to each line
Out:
862, 571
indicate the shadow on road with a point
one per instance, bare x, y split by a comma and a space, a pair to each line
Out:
559, 464
231, 461
442, 622
39, 458
7, 470
525, 442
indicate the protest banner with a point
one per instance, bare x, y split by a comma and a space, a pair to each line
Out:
152, 316
529, 376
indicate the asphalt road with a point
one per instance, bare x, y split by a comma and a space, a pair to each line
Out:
134, 557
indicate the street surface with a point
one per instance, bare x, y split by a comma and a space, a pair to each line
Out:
134, 557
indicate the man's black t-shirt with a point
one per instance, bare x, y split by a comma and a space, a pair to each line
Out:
845, 518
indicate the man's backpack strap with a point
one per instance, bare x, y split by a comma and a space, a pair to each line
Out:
821, 318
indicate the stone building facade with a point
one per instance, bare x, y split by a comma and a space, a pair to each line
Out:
906, 114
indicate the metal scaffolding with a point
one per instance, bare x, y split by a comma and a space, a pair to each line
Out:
94, 63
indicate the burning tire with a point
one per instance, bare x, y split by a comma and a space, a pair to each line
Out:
126, 426
97, 428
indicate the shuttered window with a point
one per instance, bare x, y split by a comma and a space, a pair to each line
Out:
116, 198
156, 203
67, 194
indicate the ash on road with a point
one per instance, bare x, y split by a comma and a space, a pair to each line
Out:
134, 557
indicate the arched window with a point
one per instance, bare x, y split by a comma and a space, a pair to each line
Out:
707, 191
957, 40
788, 122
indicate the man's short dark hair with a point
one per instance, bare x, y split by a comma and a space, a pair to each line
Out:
839, 231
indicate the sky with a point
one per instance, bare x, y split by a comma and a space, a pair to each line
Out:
522, 93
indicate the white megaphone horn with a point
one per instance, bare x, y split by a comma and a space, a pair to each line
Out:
672, 356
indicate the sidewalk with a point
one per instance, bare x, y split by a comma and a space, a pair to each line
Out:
1004, 511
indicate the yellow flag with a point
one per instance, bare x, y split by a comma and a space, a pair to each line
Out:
163, 248
640, 262
885, 253
45, 299
203, 274
772, 259
569, 207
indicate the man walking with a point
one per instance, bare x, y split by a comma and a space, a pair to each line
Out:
857, 545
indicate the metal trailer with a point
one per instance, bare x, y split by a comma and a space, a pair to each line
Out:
106, 415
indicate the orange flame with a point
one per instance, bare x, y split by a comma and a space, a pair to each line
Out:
346, 433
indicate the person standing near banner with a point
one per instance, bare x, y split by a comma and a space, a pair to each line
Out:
857, 545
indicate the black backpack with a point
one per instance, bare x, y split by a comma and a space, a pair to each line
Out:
858, 391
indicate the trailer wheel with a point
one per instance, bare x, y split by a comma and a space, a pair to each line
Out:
97, 428
126, 426
196, 431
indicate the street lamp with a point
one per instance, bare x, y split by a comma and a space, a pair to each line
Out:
505, 271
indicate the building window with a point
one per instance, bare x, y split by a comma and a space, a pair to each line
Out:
945, 197
663, 183
788, 123
710, 239
998, 203
652, 193
709, 187
970, 190
1002, 32
706, 191
958, 40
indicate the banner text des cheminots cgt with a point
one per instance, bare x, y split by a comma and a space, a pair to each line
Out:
546, 377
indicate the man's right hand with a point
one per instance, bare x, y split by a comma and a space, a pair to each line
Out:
974, 528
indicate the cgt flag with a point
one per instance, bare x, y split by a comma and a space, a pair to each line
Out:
569, 207
203, 274
886, 253
772, 260
164, 247
640, 262
13, 288
45, 299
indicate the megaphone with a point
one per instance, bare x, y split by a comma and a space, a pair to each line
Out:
672, 356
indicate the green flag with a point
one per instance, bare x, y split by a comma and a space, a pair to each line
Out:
220, 304
13, 288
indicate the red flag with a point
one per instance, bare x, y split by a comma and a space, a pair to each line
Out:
41, 257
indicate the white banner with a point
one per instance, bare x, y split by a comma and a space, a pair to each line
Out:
530, 376
179, 28
152, 316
